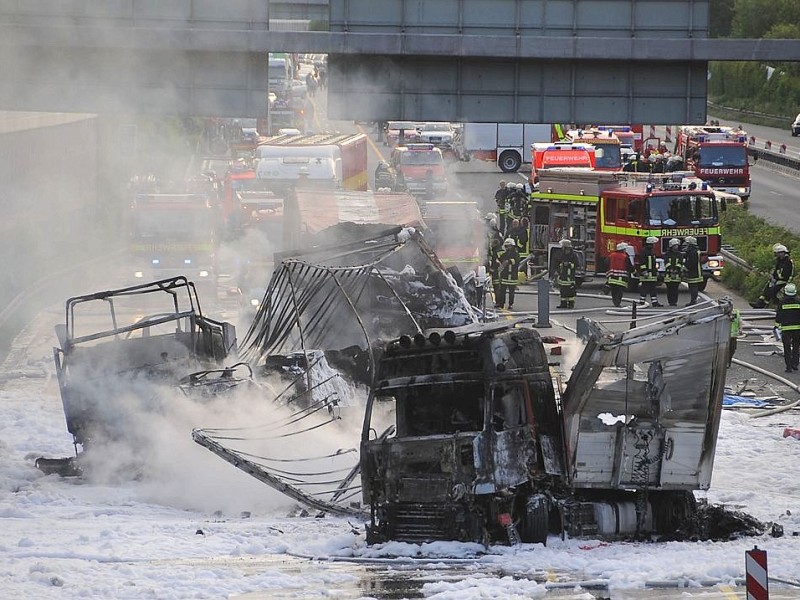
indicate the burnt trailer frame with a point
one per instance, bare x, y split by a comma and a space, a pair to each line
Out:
92, 369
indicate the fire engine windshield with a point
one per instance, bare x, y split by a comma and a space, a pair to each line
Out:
682, 209
723, 156
174, 224
421, 157
608, 156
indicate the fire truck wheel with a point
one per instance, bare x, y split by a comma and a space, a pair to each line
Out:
510, 162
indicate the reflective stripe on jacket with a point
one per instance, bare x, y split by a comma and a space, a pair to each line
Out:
787, 317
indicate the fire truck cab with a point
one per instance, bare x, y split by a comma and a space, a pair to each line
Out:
607, 146
717, 155
560, 154
597, 210
421, 167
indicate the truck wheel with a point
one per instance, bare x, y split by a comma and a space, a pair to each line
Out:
510, 162
535, 522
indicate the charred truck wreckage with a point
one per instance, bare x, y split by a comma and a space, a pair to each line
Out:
485, 449
123, 346
466, 431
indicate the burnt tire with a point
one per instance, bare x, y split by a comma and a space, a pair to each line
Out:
535, 521
510, 161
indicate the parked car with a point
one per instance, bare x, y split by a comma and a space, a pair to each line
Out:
796, 126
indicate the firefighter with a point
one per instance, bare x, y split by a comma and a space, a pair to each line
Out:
782, 273
493, 260
502, 200
648, 272
524, 243
567, 265
499, 195
673, 270
736, 325
519, 201
384, 178
619, 269
492, 234
508, 260
787, 322
693, 270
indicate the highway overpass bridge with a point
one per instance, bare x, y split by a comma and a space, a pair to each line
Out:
616, 61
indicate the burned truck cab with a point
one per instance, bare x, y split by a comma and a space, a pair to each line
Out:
478, 437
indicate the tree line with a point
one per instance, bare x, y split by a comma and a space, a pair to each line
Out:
772, 88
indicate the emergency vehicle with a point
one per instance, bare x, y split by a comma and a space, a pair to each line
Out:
421, 168
559, 154
239, 179
606, 144
174, 235
717, 155
631, 136
336, 160
597, 210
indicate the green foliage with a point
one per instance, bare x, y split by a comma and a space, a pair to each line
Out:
752, 237
720, 16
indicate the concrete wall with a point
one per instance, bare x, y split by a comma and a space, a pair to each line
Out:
48, 166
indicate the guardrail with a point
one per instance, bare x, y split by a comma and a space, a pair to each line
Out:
780, 159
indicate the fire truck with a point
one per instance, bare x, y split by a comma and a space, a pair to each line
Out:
597, 210
421, 167
174, 235
334, 160
717, 155
606, 144
557, 155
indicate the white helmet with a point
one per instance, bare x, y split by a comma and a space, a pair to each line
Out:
790, 290
622, 246
651, 240
674, 242
779, 248
565, 243
509, 242
520, 186
691, 240
511, 185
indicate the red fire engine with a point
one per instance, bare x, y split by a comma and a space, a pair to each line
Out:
597, 210
717, 155
559, 154
606, 144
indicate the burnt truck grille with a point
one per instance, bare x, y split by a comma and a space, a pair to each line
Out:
421, 523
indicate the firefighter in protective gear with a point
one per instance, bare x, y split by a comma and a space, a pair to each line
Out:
736, 325
508, 265
673, 270
787, 320
567, 265
693, 269
648, 272
500, 199
619, 270
493, 260
503, 202
782, 273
